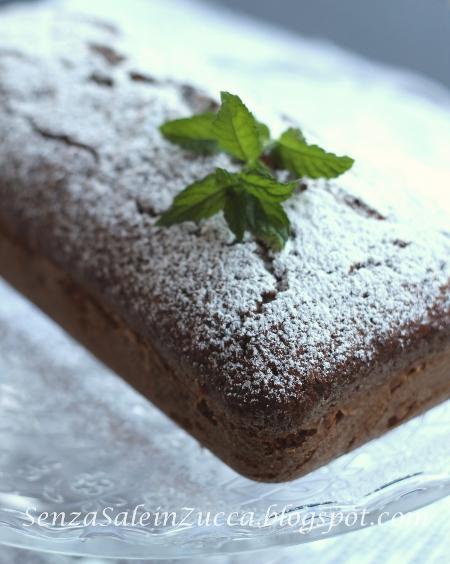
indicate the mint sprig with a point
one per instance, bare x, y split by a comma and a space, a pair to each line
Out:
250, 199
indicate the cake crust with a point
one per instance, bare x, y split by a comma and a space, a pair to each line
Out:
276, 362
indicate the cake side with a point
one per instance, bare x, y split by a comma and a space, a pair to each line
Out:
358, 297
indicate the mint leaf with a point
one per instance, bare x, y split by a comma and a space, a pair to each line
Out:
296, 155
237, 131
269, 223
200, 200
194, 133
266, 188
234, 213
266, 220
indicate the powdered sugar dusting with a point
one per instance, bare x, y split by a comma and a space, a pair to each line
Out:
85, 169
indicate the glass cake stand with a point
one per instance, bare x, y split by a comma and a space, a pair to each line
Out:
77, 441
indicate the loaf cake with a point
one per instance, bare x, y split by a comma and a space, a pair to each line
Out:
275, 361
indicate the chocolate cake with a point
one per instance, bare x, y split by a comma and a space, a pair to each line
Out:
277, 362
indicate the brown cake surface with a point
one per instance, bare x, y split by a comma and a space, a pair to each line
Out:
276, 362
